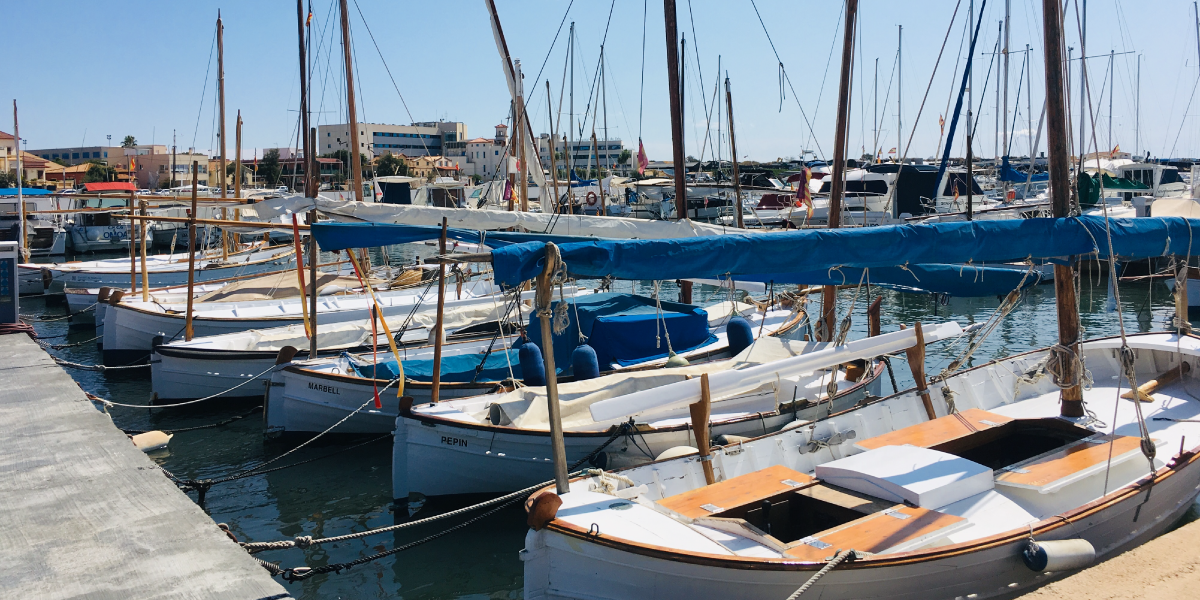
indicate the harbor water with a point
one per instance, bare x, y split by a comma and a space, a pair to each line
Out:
351, 491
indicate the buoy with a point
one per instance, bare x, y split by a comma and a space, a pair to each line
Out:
1059, 555
740, 334
584, 363
533, 368
433, 336
675, 360
676, 452
151, 440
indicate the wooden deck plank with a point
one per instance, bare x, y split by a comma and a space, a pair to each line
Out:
738, 491
937, 431
876, 532
1047, 469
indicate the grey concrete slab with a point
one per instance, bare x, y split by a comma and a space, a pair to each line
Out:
84, 514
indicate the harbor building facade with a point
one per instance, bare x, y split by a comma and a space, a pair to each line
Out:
376, 139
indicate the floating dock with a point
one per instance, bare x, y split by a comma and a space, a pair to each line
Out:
1165, 567
86, 514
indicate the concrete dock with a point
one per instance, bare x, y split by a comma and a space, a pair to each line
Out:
86, 515
1165, 567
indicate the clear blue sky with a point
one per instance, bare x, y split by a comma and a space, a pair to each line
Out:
138, 67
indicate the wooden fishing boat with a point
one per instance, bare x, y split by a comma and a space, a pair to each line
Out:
167, 270
944, 508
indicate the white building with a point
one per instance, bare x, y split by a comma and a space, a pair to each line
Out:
583, 154
376, 139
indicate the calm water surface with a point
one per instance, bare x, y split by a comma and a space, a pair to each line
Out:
351, 492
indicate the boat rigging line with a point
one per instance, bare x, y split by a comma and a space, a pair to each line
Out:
783, 77
197, 427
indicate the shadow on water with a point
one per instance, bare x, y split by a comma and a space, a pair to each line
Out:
351, 492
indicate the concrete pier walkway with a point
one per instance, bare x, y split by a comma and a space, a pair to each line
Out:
84, 514
1165, 567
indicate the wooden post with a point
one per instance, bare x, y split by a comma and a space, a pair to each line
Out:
312, 292
354, 154
145, 269
685, 291
679, 166
1060, 192
133, 229
874, 327
187, 328
543, 301
737, 181
916, 363
553, 141
300, 276
437, 327
700, 414
838, 175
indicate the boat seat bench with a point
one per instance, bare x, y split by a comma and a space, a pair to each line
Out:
898, 528
738, 491
938, 431
1053, 470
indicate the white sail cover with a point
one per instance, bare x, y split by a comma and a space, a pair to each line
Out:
483, 220
516, 90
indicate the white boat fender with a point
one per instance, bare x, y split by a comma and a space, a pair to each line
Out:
433, 336
151, 440
1059, 555
676, 452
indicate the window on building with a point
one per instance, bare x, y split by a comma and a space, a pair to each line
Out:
74, 155
497, 153
45, 156
106, 154
328, 134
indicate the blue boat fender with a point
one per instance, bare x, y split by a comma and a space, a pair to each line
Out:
533, 367
584, 363
740, 333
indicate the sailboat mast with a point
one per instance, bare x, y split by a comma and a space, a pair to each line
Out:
899, 82
353, 156
676, 108
1083, 106
970, 112
1112, 81
1137, 119
221, 97
308, 157
1004, 112
20, 192
838, 179
875, 116
1056, 133
737, 180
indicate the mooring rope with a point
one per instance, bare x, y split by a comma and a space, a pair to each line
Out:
833, 562
108, 403
197, 427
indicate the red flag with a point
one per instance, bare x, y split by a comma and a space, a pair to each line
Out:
643, 162
507, 190
309, 20
803, 194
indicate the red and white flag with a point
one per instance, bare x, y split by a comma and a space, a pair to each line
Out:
643, 162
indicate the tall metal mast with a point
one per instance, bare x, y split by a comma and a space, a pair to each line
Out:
1004, 113
221, 99
899, 95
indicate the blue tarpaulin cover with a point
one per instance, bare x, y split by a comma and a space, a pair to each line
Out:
24, 192
1009, 174
974, 242
458, 368
622, 329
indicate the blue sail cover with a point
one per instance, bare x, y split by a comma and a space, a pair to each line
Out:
25, 192
974, 242
625, 329
1011, 175
458, 368
963, 281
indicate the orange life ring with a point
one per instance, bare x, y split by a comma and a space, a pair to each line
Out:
591, 198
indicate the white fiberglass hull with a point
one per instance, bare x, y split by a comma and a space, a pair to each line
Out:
167, 272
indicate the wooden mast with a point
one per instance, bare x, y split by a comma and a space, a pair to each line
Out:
553, 138
737, 180
145, 269
187, 326
1060, 194
237, 157
838, 179
308, 192
435, 386
354, 158
21, 241
221, 130
679, 166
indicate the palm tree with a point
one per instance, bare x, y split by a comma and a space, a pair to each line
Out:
129, 142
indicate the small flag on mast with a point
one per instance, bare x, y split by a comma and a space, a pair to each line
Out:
643, 162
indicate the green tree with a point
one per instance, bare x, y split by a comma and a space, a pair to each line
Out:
129, 142
388, 165
623, 159
268, 167
6, 179
98, 171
